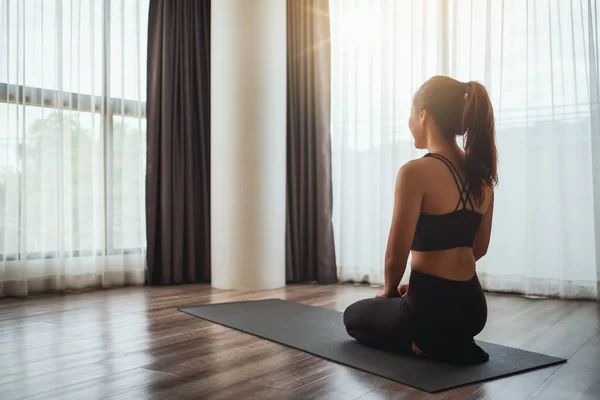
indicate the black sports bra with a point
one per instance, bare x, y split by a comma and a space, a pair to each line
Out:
452, 230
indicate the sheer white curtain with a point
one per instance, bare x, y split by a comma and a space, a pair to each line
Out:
539, 60
72, 144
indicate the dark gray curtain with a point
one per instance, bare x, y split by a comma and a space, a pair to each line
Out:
178, 136
309, 232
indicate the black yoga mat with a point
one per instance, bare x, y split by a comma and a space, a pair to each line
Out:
321, 332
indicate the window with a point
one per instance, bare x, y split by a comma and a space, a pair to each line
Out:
539, 62
72, 127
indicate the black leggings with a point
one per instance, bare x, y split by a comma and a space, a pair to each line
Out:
440, 316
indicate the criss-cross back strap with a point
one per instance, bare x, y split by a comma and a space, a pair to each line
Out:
463, 189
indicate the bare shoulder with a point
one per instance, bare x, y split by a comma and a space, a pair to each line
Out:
411, 174
411, 168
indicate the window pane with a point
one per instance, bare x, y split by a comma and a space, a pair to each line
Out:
128, 43
128, 184
9, 180
82, 46
52, 165
63, 150
537, 57
52, 44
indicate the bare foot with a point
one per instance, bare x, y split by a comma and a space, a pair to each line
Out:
418, 352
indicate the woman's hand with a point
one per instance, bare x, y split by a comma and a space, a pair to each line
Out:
402, 289
387, 294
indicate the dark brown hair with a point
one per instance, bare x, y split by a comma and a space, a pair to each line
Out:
464, 109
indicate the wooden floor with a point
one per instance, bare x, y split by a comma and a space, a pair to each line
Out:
132, 343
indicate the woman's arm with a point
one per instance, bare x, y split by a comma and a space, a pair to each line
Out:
482, 238
407, 207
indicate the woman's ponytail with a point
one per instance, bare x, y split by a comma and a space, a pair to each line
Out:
479, 141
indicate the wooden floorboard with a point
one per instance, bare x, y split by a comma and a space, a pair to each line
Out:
132, 343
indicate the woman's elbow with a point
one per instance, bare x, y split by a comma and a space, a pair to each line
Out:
479, 253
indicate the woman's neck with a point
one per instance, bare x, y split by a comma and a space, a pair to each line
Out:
447, 148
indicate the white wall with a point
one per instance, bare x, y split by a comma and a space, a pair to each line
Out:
248, 146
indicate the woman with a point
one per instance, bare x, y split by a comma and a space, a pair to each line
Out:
443, 214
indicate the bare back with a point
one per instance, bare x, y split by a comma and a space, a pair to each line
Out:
441, 194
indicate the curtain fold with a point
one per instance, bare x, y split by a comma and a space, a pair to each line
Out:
539, 60
72, 144
310, 250
178, 166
